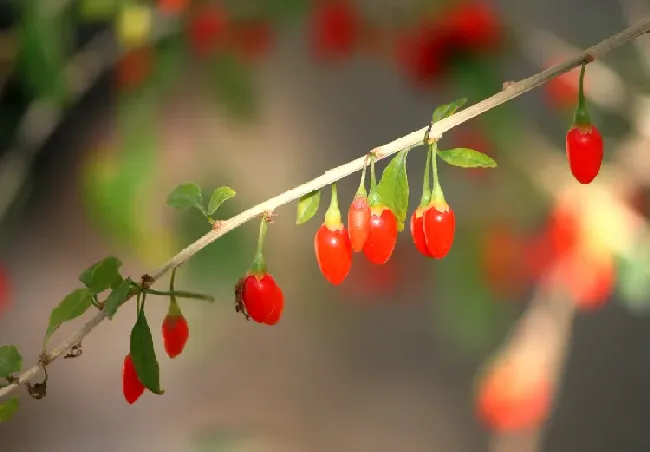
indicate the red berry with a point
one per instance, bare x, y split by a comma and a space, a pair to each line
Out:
134, 67
5, 290
563, 229
417, 232
359, 222
335, 29
333, 253
261, 296
584, 150
253, 40
173, 6
278, 308
208, 30
439, 229
132, 388
382, 237
589, 281
472, 26
175, 333
513, 398
421, 54
562, 91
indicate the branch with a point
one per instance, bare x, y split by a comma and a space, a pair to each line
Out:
413, 139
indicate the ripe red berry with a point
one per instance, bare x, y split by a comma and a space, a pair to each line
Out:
359, 222
439, 229
175, 333
561, 92
208, 30
333, 253
417, 232
253, 40
584, 150
133, 69
261, 297
382, 237
513, 398
132, 388
473, 26
590, 281
335, 29
421, 54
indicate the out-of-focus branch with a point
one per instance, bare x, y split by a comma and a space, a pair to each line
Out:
511, 90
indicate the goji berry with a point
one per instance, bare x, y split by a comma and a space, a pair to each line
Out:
584, 150
132, 388
563, 229
257, 295
335, 29
382, 236
421, 54
208, 30
134, 67
175, 331
253, 40
332, 244
439, 229
359, 216
562, 91
471, 26
584, 144
417, 218
590, 282
512, 398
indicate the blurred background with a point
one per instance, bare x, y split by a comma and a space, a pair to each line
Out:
107, 105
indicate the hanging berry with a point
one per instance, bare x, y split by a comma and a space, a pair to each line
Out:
332, 244
417, 218
208, 30
359, 216
257, 295
175, 330
382, 235
584, 144
439, 219
132, 388
335, 29
472, 27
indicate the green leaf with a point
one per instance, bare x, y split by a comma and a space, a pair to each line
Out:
102, 275
467, 158
393, 188
444, 111
186, 195
219, 196
308, 206
8, 409
117, 297
10, 360
75, 304
144, 355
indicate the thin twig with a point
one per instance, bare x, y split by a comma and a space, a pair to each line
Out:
409, 141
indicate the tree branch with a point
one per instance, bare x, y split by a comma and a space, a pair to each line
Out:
510, 91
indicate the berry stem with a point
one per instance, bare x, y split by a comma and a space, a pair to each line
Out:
361, 191
373, 176
581, 115
333, 214
437, 196
258, 267
174, 310
426, 188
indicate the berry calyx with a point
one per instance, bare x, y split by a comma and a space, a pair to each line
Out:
584, 144
332, 244
359, 216
175, 330
132, 388
335, 29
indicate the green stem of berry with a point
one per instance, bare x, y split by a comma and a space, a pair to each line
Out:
437, 196
581, 115
333, 214
361, 191
426, 188
174, 309
258, 267
373, 197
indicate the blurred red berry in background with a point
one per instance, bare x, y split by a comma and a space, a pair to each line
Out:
5, 289
134, 68
173, 6
472, 26
562, 91
208, 30
335, 29
253, 40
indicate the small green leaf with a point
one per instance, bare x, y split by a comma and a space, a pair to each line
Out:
219, 196
144, 355
75, 304
393, 188
444, 111
467, 158
186, 195
8, 409
117, 297
10, 360
102, 275
308, 206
